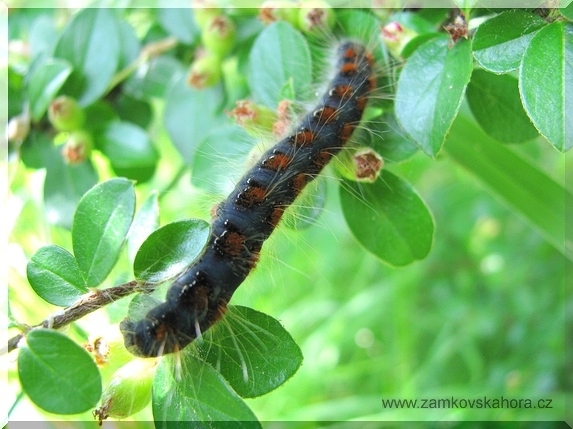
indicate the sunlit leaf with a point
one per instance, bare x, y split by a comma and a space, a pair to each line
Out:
57, 374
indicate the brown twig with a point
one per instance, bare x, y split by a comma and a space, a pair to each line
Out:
86, 304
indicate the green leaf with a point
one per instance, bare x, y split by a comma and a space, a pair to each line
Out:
308, 206
57, 374
133, 110
37, 150
191, 115
545, 82
130, 46
388, 218
495, 103
101, 223
154, 78
145, 222
499, 43
54, 275
542, 201
45, 82
129, 149
170, 249
64, 186
43, 36
199, 394
427, 102
219, 154
99, 115
91, 43
291, 60
179, 22
252, 351
387, 138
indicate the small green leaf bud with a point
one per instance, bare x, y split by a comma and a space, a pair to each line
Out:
65, 114
129, 390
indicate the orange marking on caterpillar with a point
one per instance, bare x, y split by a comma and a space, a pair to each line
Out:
325, 114
276, 162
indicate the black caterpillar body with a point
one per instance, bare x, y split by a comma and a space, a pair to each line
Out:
199, 296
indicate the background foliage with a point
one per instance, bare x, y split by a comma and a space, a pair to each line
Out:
485, 313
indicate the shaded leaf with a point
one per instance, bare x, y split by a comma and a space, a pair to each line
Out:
191, 115
495, 103
129, 149
64, 186
388, 218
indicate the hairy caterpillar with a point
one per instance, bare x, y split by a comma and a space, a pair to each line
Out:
199, 296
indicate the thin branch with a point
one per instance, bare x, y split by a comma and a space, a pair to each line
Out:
88, 303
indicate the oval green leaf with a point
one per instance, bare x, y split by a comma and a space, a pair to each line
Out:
218, 155
101, 223
291, 61
499, 43
545, 82
145, 222
388, 218
57, 374
197, 394
179, 22
154, 78
252, 351
129, 149
170, 249
45, 82
64, 186
495, 103
54, 275
387, 138
430, 90
91, 43
190, 115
